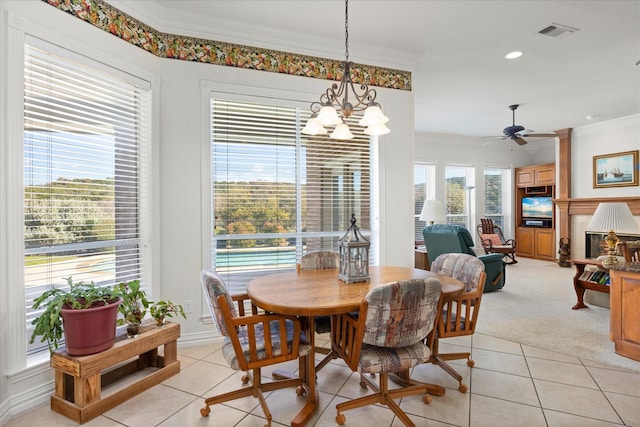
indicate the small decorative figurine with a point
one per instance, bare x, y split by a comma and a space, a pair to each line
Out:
565, 251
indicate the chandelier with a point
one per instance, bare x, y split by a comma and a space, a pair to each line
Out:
335, 106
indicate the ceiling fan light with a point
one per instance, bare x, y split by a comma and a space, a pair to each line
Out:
373, 115
314, 127
328, 116
377, 129
341, 131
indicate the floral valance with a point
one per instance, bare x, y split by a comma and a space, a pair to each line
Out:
114, 21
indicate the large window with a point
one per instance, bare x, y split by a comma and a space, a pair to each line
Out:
424, 188
277, 194
86, 145
497, 196
460, 195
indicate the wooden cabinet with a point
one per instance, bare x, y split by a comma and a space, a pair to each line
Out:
534, 176
544, 243
535, 239
524, 242
625, 316
536, 243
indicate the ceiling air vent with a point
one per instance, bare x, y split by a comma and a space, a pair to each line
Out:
557, 30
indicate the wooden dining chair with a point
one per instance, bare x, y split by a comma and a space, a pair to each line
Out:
460, 315
321, 260
252, 341
388, 338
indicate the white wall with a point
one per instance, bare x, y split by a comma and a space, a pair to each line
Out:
608, 137
178, 154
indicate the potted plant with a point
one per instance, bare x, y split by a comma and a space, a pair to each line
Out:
162, 309
85, 315
134, 305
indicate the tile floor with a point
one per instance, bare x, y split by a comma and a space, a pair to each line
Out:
510, 385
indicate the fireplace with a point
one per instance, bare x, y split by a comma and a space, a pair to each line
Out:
596, 246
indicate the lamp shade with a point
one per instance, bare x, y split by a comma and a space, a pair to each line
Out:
432, 211
612, 216
341, 132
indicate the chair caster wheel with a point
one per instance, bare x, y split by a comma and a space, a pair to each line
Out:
470, 363
245, 379
205, 411
340, 419
363, 384
299, 390
463, 388
427, 399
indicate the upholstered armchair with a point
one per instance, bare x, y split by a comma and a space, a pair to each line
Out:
448, 238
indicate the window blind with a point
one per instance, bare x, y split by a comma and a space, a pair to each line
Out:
459, 195
497, 190
277, 194
86, 148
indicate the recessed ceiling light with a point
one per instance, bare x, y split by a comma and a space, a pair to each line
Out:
513, 55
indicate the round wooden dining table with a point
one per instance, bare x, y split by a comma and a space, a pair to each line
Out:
309, 293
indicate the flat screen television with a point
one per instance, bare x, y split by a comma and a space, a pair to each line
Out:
540, 207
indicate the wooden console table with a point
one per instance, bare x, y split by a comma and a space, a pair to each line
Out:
80, 379
581, 285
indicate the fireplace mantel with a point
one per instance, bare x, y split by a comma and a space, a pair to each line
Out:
587, 206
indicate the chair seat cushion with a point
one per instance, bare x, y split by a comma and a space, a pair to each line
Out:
230, 354
494, 238
387, 359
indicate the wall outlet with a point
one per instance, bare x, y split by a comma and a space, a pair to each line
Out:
188, 306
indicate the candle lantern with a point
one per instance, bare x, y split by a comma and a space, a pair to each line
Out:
354, 255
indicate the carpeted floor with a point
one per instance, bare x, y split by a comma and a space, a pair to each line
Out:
534, 308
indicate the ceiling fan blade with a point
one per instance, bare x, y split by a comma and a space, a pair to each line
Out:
519, 140
541, 135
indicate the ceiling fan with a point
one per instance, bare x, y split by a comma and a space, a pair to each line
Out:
516, 132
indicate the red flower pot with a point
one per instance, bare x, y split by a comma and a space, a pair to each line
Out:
90, 330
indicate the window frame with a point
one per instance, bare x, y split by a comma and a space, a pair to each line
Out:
146, 193
211, 89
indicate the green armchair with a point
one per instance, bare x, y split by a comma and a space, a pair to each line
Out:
448, 238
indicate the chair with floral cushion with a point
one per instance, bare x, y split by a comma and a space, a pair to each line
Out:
459, 316
388, 338
494, 242
252, 341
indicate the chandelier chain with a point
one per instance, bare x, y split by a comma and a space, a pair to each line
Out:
346, 30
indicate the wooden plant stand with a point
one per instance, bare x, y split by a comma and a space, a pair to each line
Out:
81, 380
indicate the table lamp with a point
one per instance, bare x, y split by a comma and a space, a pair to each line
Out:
610, 217
432, 211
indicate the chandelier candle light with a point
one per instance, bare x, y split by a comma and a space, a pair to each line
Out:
334, 105
609, 217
